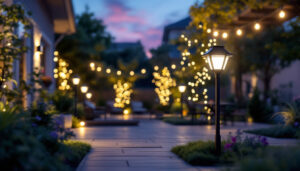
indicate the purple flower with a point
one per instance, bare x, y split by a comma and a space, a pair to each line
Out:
228, 146
38, 118
264, 141
296, 124
59, 122
61, 138
53, 134
233, 139
34, 125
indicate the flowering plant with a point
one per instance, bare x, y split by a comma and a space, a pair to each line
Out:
239, 146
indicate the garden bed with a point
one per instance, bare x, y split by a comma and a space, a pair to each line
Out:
183, 121
279, 131
203, 153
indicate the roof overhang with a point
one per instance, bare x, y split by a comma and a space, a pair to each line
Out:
267, 15
63, 16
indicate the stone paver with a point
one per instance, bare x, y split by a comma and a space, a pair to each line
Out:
147, 146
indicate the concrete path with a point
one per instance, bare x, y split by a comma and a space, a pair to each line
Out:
147, 147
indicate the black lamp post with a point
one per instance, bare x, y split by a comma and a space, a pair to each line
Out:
181, 89
217, 58
76, 81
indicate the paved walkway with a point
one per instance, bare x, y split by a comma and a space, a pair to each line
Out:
147, 146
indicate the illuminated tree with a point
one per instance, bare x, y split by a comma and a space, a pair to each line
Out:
123, 94
122, 78
163, 81
210, 20
62, 73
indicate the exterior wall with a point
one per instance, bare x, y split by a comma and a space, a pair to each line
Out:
174, 34
42, 29
287, 81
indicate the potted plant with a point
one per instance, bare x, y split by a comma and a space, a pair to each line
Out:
46, 80
63, 103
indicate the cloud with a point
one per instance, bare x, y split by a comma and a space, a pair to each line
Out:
127, 24
120, 13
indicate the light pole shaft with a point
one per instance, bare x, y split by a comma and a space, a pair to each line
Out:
75, 101
181, 100
217, 113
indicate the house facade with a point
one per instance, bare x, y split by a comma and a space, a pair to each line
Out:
172, 32
50, 20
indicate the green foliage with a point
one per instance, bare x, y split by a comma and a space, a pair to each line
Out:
84, 46
275, 159
27, 145
176, 107
42, 111
264, 53
76, 150
7, 117
63, 101
279, 131
12, 17
160, 56
258, 109
21, 148
291, 114
125, 56
198, 153
234, 149
75, 122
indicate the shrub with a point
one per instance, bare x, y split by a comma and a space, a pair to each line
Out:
41, 113
63, 101
291, 114
80, 111
258, 109
75, 122
26, 145
280, 131
176, 107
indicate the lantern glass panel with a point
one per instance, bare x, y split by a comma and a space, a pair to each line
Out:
217, 61
181, 88
225, 63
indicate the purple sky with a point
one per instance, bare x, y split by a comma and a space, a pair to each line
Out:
132, 20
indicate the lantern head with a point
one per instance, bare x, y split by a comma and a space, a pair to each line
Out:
181, 88
76, 80
217, 58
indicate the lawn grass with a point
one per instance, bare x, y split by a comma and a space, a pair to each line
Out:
76, 151
183, 121
275, 159
201, 153
279, 131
